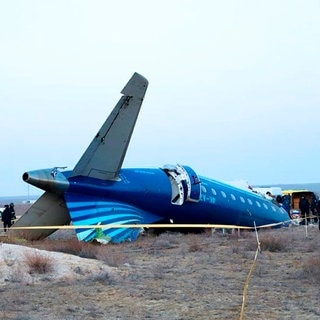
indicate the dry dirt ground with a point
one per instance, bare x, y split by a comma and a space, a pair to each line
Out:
168, 276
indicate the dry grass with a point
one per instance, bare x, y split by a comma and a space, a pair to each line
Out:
311, 270
181, 276
38, 263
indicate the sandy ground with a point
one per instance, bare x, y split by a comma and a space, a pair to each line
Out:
169, 276
14, 265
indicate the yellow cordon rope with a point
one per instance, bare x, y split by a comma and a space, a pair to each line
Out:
152, 225
246, 285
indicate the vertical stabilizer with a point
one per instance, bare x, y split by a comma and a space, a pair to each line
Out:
104, 156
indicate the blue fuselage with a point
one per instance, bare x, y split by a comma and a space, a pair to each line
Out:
150, 191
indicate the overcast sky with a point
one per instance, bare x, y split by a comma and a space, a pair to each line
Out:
233, 85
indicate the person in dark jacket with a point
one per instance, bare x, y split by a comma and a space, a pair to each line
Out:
304, 207
313, 208
13, 213
6, 217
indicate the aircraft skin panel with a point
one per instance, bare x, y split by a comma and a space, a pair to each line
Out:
104, 156
89, 210
240, 207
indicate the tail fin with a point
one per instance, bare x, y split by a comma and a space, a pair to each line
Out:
104, 156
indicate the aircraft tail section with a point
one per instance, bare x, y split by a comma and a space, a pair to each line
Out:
104, 156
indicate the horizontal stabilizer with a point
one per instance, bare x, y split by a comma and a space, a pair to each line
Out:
104, 156
48, 210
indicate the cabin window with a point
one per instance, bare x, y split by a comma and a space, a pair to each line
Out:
242, 200
203, 188
250, 202
265, 206
273, 209
258, 204
233, 197
214, 192
223, 194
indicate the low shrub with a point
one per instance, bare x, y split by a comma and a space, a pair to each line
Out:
194, 243
273, 244
72, 246
38, 263
311, 269
110, 256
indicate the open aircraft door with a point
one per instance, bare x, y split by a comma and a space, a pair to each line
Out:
185, 184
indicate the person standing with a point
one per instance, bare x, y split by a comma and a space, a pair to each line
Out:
304, 207
6, 217
313, 208
13, 213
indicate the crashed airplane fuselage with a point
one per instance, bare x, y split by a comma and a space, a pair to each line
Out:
99, 192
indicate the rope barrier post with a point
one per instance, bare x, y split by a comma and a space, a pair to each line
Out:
306, 227
257, 236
